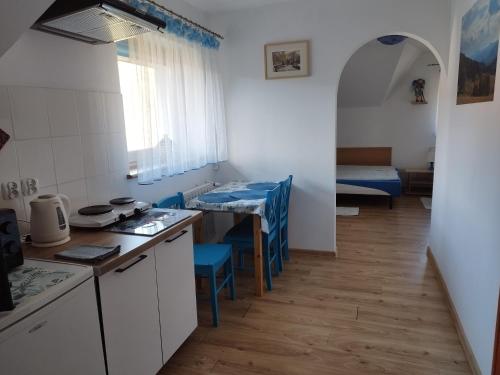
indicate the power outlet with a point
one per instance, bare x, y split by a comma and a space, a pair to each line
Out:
10, 190
29, 186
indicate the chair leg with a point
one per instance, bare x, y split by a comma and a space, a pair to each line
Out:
268, 269
213, 298
285, 247
232, 289
241, 259
279, 256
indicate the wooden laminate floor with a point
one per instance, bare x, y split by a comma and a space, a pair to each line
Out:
376, 309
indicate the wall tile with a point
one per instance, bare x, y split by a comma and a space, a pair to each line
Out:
29, 112
119, 185
63, 117
117, 152
9, 167
77, 193
5, 113
36, 161
91, 112
68, 158
114, 112
95, 155
98, 189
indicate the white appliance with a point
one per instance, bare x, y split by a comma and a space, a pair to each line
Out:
54, 328
49, 220
109, 214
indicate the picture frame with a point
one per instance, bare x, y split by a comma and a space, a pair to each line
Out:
287, 60
478, 53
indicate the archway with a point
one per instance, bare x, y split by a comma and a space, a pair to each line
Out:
399, 59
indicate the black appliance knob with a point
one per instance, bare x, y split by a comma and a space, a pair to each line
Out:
137, 211
122, 217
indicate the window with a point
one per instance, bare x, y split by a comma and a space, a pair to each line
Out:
173, 105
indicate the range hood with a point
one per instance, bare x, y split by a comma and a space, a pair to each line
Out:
96, 22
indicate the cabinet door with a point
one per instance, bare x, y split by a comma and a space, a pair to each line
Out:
61, 338
176, 290
129, 305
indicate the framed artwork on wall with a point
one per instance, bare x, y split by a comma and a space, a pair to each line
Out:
479, 53
287, 60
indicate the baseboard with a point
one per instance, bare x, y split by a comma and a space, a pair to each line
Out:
469, 354
322, 252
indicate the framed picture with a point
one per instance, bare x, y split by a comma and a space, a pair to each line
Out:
287, 60
479, 53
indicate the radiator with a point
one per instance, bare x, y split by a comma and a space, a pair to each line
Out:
209, 234
199, 190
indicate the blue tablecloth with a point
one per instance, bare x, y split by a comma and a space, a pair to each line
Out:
236, 197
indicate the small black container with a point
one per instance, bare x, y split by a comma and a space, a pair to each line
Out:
6, 303
10, 239
11, 255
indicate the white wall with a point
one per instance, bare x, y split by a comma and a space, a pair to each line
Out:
16, 17
409, 129
288, 126
368, 75
45, 82
465, 237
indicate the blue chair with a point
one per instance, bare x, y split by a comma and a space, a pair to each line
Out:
284, 206
209, 259
241, 236
285, 203
175, 201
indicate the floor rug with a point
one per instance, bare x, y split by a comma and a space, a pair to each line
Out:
347, 211
427, 202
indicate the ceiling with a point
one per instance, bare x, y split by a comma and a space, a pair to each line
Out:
375, 71
213, 6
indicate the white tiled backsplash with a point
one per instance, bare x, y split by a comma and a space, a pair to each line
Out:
73, 142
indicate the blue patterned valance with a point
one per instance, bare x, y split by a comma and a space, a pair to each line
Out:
175, 25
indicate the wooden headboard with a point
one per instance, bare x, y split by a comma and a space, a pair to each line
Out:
364, 156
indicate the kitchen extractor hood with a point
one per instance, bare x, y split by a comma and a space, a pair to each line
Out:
96, 22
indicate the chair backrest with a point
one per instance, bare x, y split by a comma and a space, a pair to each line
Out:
285, 197
272, 212
175, 201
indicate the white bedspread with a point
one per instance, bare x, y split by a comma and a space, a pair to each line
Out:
360, 172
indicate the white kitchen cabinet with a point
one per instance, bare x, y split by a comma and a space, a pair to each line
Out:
176, 290
129, 306
62, 337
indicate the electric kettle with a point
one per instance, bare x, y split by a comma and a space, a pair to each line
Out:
49, 220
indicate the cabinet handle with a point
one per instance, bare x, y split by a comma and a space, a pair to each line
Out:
172, 239
141, 258
37, 327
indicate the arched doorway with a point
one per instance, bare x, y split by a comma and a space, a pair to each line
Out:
378, 78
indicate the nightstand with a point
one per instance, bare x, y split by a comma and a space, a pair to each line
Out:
420, 181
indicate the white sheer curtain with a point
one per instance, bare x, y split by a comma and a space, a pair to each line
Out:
174, 105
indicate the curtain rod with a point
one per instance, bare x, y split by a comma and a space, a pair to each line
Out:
186, 19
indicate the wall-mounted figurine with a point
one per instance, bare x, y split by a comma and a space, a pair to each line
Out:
418, 88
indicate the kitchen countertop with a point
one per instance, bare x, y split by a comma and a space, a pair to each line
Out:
131, 245
37, 283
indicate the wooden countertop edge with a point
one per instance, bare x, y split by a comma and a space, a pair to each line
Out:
118, 259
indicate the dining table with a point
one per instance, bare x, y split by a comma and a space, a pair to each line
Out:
241, 198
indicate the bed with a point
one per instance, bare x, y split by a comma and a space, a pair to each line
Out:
367, 171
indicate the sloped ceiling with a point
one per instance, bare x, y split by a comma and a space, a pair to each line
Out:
374, 71
16, 17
